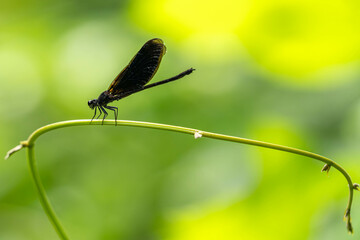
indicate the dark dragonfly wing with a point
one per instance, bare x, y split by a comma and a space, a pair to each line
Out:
141, 68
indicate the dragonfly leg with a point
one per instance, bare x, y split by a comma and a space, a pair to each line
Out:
94, 115
115, 110
99, 113
105, 114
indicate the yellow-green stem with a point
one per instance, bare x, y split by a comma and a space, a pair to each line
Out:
42, 194
197, 133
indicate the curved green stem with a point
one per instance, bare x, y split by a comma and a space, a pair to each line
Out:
29, 143
42, 194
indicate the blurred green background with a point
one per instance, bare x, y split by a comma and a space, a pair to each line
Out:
281, 71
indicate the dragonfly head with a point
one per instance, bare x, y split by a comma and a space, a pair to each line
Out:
92, 103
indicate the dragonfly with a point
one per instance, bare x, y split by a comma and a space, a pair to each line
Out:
134, 78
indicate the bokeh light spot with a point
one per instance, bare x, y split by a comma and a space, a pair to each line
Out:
299, 39
184, 17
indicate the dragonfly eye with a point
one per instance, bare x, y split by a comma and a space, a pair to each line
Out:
92, 103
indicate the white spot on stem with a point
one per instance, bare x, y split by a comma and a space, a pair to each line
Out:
197, 134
